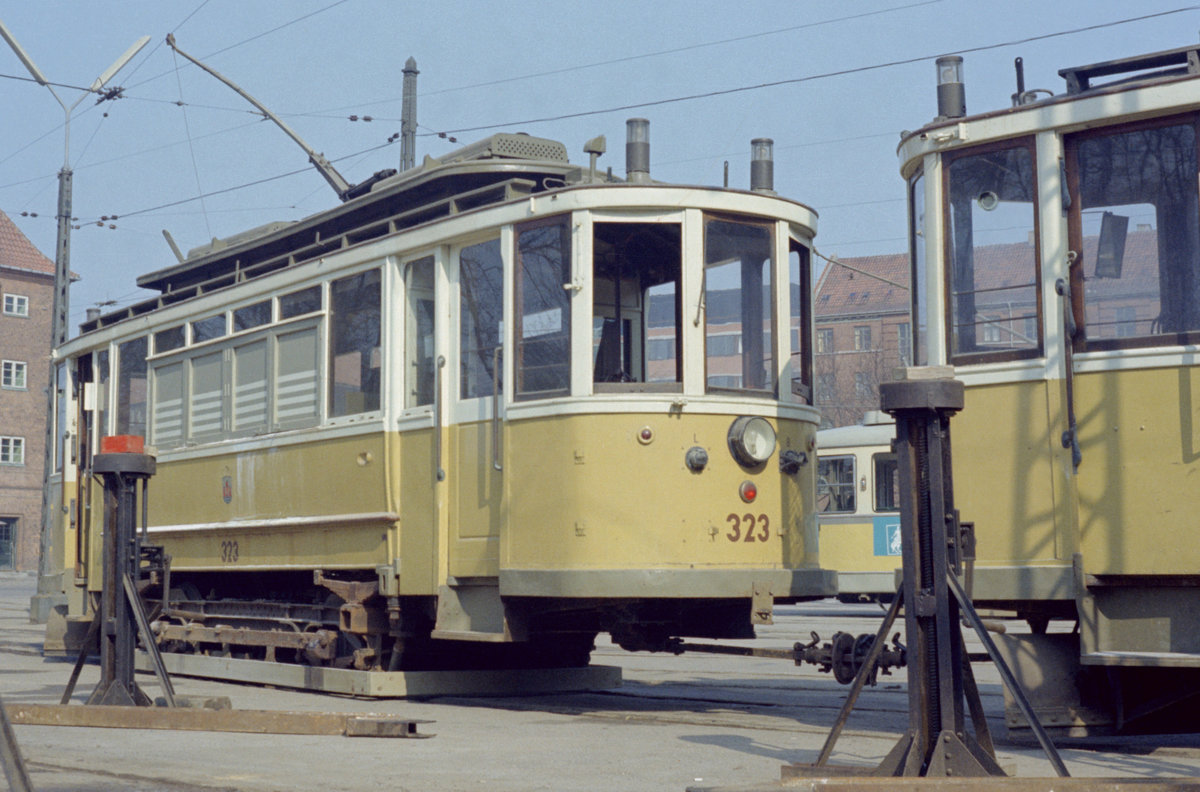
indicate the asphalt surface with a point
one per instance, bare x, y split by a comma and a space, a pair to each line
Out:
694, 720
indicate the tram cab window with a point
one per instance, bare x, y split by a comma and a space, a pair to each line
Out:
131, 387
100, 366
835, 484
418, 333
800, 359
993, 278
543, 313
1136, 228
635, 313
887, 482
356, 358
481, 312
738, 305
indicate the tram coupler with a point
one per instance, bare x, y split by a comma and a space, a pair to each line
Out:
845, 654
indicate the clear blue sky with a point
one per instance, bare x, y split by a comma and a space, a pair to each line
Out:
502, 67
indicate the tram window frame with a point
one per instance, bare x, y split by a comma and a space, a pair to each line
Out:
480, 325
1173, 282
918, 267
132, 368
838, 491
637, 346
261, 399
886, 498
356, 339
543, 266
974, 353
800, 351
420, 330
762, 382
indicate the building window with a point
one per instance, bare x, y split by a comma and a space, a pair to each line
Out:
16, 305
904, 343
862, 338
12, 375
826, 385
862, 386
825, 340
12, 450
1126, 321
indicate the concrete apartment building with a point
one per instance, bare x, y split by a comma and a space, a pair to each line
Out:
26, 298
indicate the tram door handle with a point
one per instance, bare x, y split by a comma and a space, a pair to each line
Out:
497, 397
438, 396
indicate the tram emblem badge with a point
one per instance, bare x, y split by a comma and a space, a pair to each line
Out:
887, 536
227, 488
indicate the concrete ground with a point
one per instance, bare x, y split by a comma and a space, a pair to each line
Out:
676, 722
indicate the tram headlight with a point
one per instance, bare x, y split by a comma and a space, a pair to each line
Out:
751, 440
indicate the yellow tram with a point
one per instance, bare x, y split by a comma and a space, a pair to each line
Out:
479, 412
1056, 267
858, 511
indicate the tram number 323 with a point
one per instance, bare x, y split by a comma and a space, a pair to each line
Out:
229, 551
748, 528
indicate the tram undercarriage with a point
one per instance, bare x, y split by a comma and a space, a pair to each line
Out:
344, 623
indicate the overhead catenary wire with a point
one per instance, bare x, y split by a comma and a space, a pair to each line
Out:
813, 77
709, 94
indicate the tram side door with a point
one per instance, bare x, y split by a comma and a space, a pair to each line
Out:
420, 547
474, 481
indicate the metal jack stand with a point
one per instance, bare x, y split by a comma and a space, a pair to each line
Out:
121, 617
937, 743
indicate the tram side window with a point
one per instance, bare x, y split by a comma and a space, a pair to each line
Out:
100, 363
1137, 217
737, 297
916, 239
131, 387
167, 414
993, 279
250, 386
355, 356
419, 339
887, 482
205, 397
835, 484
800, 360
481, 274
543, 331
635, 313
296, 378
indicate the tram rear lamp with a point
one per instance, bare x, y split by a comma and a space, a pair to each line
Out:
762, 165
751, 440
748, 491
951, 94
637, 151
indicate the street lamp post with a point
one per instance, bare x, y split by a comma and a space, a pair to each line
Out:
50, 589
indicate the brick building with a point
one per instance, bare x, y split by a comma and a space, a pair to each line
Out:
26, 298
863, 332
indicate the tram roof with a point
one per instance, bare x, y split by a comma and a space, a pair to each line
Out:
1129, 73
495, 170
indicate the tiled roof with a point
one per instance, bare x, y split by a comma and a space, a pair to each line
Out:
843, 291
18, 252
